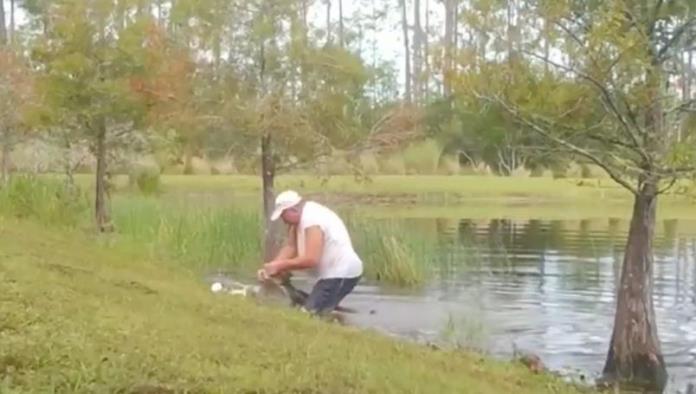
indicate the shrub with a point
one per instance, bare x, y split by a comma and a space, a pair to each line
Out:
422, 157
392, 165
450, 165
369, 164
146, 178
50, 201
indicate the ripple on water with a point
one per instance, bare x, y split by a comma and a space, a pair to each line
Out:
547, 287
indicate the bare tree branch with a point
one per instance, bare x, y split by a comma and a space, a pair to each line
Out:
678, 171
665, 189
687, 106
607, 99
566, 144
570, 33
631, 113
656, 15
610, 141
676, 35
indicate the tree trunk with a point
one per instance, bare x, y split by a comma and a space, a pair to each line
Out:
407, 52
328, 22
455, 26
547, 46
684, 76
5, 161
373, 20
68, 165
12, 21
341, 37
426, 51
3, 28
417, 52
449, 44
689, 74
510, 31
271, 229
305, 23
634, 351
188, 158
101, 210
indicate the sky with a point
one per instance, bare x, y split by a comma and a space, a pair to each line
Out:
390, 37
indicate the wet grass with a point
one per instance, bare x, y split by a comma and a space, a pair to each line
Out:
392, 254
465, 331
78, 317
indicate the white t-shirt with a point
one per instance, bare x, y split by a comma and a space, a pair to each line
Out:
338, 258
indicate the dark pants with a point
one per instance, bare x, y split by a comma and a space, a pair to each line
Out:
328, 293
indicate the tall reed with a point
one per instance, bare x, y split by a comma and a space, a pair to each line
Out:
49, 201
392, 254
199, 237
212, 235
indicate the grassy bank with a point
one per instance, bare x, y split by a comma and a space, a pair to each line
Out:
204, 236
82, 318
420, 189
434, 187
556, 210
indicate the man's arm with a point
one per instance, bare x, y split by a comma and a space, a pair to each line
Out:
289, 250
314, 244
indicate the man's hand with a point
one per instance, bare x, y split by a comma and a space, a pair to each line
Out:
261, 275
274, 267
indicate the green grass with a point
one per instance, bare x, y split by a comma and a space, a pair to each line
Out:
392, 254
47, 200
197, 237
406, 188
202, 236
551, 210
422, 157
83, 318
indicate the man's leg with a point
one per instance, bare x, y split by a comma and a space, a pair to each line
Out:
347, 286
328, 293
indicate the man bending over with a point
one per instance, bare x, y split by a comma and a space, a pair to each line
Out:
317, 241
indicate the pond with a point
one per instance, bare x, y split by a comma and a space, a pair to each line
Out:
543, 286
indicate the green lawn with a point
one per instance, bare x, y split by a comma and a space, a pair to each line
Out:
78, 317
432, 195
458, 187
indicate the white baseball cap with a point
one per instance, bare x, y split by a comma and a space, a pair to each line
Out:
283, 201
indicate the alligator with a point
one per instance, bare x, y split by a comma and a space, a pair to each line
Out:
270, 288
298, 297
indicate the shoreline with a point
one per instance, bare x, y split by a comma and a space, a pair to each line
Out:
126, 321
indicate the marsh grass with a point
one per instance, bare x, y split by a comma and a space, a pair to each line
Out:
465, 331
230, 239
207, 237
391, 253
198, 237
49, 201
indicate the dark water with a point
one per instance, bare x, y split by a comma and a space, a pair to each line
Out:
548, 287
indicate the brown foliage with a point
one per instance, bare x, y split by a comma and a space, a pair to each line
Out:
16, 87
166, 85
399, 126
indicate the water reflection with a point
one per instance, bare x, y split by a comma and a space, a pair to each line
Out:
548, 287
